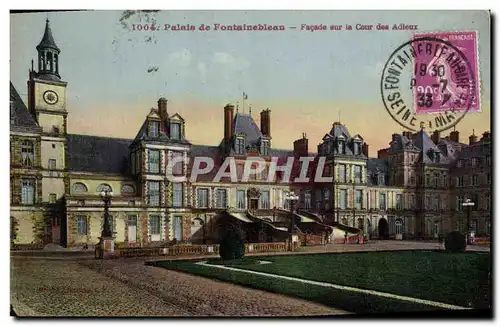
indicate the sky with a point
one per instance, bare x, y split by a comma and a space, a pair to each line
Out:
308, 79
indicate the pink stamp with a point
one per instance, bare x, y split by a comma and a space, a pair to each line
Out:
442, 77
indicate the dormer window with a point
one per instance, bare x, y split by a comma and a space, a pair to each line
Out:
264, 148
240, 145
357, 147
153, 128
437, 157
381, 179
175, 131
341, 145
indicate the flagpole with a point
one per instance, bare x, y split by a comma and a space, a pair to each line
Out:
243, 102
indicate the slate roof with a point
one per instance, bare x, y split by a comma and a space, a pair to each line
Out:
97, 154
375, 166
142, 134
340, 130
47, 39
20, 118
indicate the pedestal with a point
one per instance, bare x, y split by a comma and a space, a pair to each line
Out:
106, 247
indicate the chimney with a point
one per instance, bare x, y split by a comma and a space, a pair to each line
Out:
301, 147
265, 122
394, 137
228, 121
472, 138
383, 154
455, 136
365, 149
435, 137
162, 109
486, 135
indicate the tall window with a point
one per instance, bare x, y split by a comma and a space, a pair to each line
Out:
460, 163
475, 200
177, 194
153, 128
240, 199
356, 148
474, 161
265, 148
460, 181
28, 192
381, 179
154, 193
27, 153
436, 204
327, 199
240, 145
178, 227
52, 198
175, 131
81, 224
342, 173
474, 180
399, 201
177, 168
460, 201
153, 161
264, 199
382, 201
444, 182
52, 164
358, 199
202, 197
341, 146
399, 226
154, 224
221, 198
413, 201
343, 199
307, 199
487, 202
357, 174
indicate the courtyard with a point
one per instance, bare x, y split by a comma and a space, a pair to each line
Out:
382, 276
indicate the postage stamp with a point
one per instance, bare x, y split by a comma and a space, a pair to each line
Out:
436, 89
432, 76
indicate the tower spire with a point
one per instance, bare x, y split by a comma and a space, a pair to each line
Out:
48, 55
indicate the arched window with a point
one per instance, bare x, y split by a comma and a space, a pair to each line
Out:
104, 187
49, 61
56, 63
27, 153
399, 226
79, 188
128, 189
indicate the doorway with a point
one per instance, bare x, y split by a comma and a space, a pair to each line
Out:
383, 229
132, 229
254, 203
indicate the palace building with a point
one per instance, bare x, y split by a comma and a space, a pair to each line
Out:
415, 188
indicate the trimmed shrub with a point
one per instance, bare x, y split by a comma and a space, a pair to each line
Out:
455, 242
232, 245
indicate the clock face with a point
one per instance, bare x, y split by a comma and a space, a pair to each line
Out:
50, 97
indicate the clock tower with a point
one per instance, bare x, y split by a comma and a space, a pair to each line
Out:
46, 90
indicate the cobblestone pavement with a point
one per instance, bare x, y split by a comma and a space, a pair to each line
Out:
64, 288
126, 287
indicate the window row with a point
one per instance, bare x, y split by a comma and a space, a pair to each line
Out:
81, 188
154, 162
154, 194
175, 129
475, 180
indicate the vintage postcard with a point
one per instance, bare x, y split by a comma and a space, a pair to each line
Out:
239, 163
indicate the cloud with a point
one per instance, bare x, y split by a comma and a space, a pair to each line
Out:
181, 58
230, 61
202, 69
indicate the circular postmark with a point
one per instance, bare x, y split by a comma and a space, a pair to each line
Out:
428, 82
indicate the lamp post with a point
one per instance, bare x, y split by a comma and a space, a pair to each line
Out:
106, 241
468, 204
292, 198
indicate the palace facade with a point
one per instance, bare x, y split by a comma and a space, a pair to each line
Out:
415, 188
